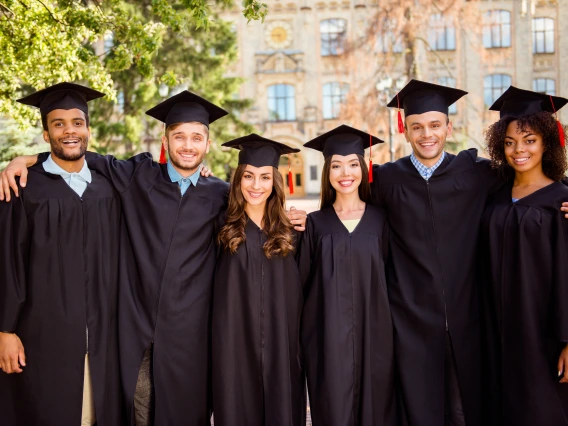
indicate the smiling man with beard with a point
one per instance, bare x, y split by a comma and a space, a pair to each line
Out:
59, 279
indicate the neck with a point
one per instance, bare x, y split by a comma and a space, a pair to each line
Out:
429, 162
531, 177
256, 213
74, 166
348, 202
185, 172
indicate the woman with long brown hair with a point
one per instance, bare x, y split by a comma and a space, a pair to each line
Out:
257, 298
346, 330
524, 241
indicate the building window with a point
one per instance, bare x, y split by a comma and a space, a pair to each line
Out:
543, 35
281, 103
497, 29
449, 82
333, 95
298, 179
333, 34
388, 38
313, 172
493, 86
442, 33
545, 85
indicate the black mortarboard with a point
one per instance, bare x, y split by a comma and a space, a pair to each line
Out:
418, 97
258, 151
520, 102
61, 96
186, 107
342, 140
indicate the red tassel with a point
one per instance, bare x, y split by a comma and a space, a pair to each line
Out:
290, 180
370, 170
163, 159
400, 123
561, 134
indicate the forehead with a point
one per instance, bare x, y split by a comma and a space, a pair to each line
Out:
65, 114
344, 158
258, 170
191, 128
427, 117
513, 128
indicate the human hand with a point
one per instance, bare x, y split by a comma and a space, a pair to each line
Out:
12, 355
298, 218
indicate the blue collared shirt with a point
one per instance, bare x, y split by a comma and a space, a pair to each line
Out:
426, 172
181, 181
77, 181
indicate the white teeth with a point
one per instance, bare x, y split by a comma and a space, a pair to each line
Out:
521, 160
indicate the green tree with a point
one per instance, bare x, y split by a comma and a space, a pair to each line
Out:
47, 41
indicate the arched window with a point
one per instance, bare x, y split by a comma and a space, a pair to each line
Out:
545, 85
543, 35
449, 82
281, 102
497, 29
441, 33
333, 35
493, 86
333, 95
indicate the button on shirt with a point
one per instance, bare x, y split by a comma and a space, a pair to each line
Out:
426, 172
181, 181
77, 181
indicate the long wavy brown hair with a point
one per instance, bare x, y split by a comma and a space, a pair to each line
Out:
328, 193
275, 223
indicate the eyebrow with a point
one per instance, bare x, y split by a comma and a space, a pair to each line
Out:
431, 122
180, 133
61, 119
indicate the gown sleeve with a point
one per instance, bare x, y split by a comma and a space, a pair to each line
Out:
120, 172
304, 252
14, 243
488, 176
376, 198
560, 296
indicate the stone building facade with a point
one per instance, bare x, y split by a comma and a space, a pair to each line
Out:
307, 66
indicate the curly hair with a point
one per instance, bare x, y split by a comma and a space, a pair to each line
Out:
327, 195
554, 162
276, 225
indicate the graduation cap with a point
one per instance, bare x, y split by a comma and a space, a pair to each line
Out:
344, 140
418, 97
185, 107
259, 152
61, 96
517, 102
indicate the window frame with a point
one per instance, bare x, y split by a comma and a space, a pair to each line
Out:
449, 82
546, 33
335, 99
441, 29
332, 43
546, 82
496, 91
492, 26
281, 100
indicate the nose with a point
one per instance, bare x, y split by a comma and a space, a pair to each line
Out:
345, 171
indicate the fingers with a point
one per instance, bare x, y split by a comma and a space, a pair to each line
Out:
294, 208
14, 364
562, 370
5, 188
205, 172
22, 357
300, 228
564, 208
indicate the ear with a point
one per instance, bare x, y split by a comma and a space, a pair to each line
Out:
208, 146
165, 142
46, 136
450, 129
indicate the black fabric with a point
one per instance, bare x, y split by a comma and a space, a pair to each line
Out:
258, 151
343, 140
431, 277
418, 97
347, 333
519, 102
58, 276
168, 263
453, 401
525, 253
186, 107
257, 373
62, 96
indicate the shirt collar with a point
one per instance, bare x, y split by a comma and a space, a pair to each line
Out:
52, 167
177, 178
426, 171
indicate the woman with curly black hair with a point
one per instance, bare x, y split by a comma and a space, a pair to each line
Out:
525, 244
257, 377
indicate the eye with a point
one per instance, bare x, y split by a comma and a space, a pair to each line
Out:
531, 141
435, 126
266, 177
335, 166
508, 143
416, 128
78, 123
247, 176
355, 164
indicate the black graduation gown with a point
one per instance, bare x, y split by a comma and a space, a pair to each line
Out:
59, 275
168, 265
347, 339
526, 259
257, 373
431, 277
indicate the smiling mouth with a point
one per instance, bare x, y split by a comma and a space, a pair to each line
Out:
187, 156
255, 194
345, 183
521, 161
427, 144
71, 142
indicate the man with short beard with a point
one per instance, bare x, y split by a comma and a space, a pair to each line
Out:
59, 279
168, 261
